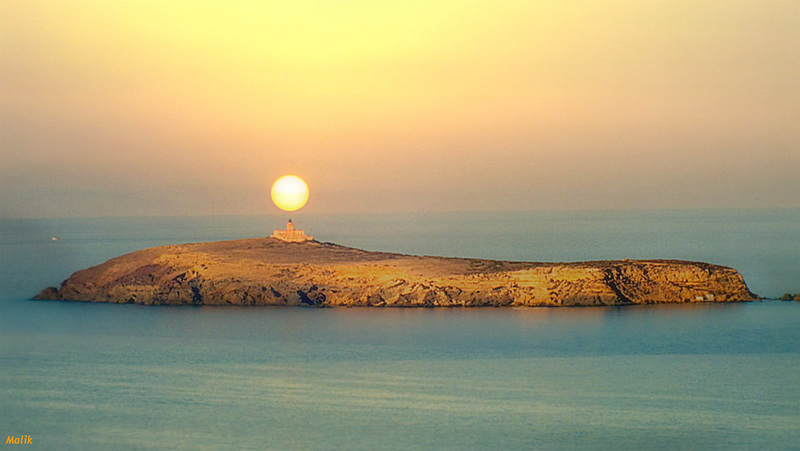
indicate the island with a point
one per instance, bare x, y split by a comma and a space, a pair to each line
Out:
305, 272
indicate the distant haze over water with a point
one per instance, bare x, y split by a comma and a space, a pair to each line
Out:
185, 107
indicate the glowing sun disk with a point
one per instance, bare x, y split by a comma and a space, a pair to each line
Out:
290, 193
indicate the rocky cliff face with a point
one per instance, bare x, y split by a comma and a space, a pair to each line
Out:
267, 271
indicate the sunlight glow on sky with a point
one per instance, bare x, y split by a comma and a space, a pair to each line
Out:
194, 107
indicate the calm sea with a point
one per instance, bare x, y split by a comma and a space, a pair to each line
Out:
95, 376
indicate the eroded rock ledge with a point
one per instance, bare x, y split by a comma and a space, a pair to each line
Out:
267, 271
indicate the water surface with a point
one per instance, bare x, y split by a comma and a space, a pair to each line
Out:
97, 376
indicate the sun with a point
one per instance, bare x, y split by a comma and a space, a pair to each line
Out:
290, 193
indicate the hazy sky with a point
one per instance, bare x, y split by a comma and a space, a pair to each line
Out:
121, 107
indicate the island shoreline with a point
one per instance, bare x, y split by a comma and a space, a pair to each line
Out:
270, 272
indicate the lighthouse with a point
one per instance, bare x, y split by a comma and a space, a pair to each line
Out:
291, 235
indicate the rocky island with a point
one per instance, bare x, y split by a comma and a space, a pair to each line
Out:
272, 271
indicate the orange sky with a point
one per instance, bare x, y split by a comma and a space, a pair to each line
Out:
112, 108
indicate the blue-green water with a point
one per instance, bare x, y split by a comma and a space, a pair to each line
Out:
96, 376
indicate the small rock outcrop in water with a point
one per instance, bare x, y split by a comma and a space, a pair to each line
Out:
268, 271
